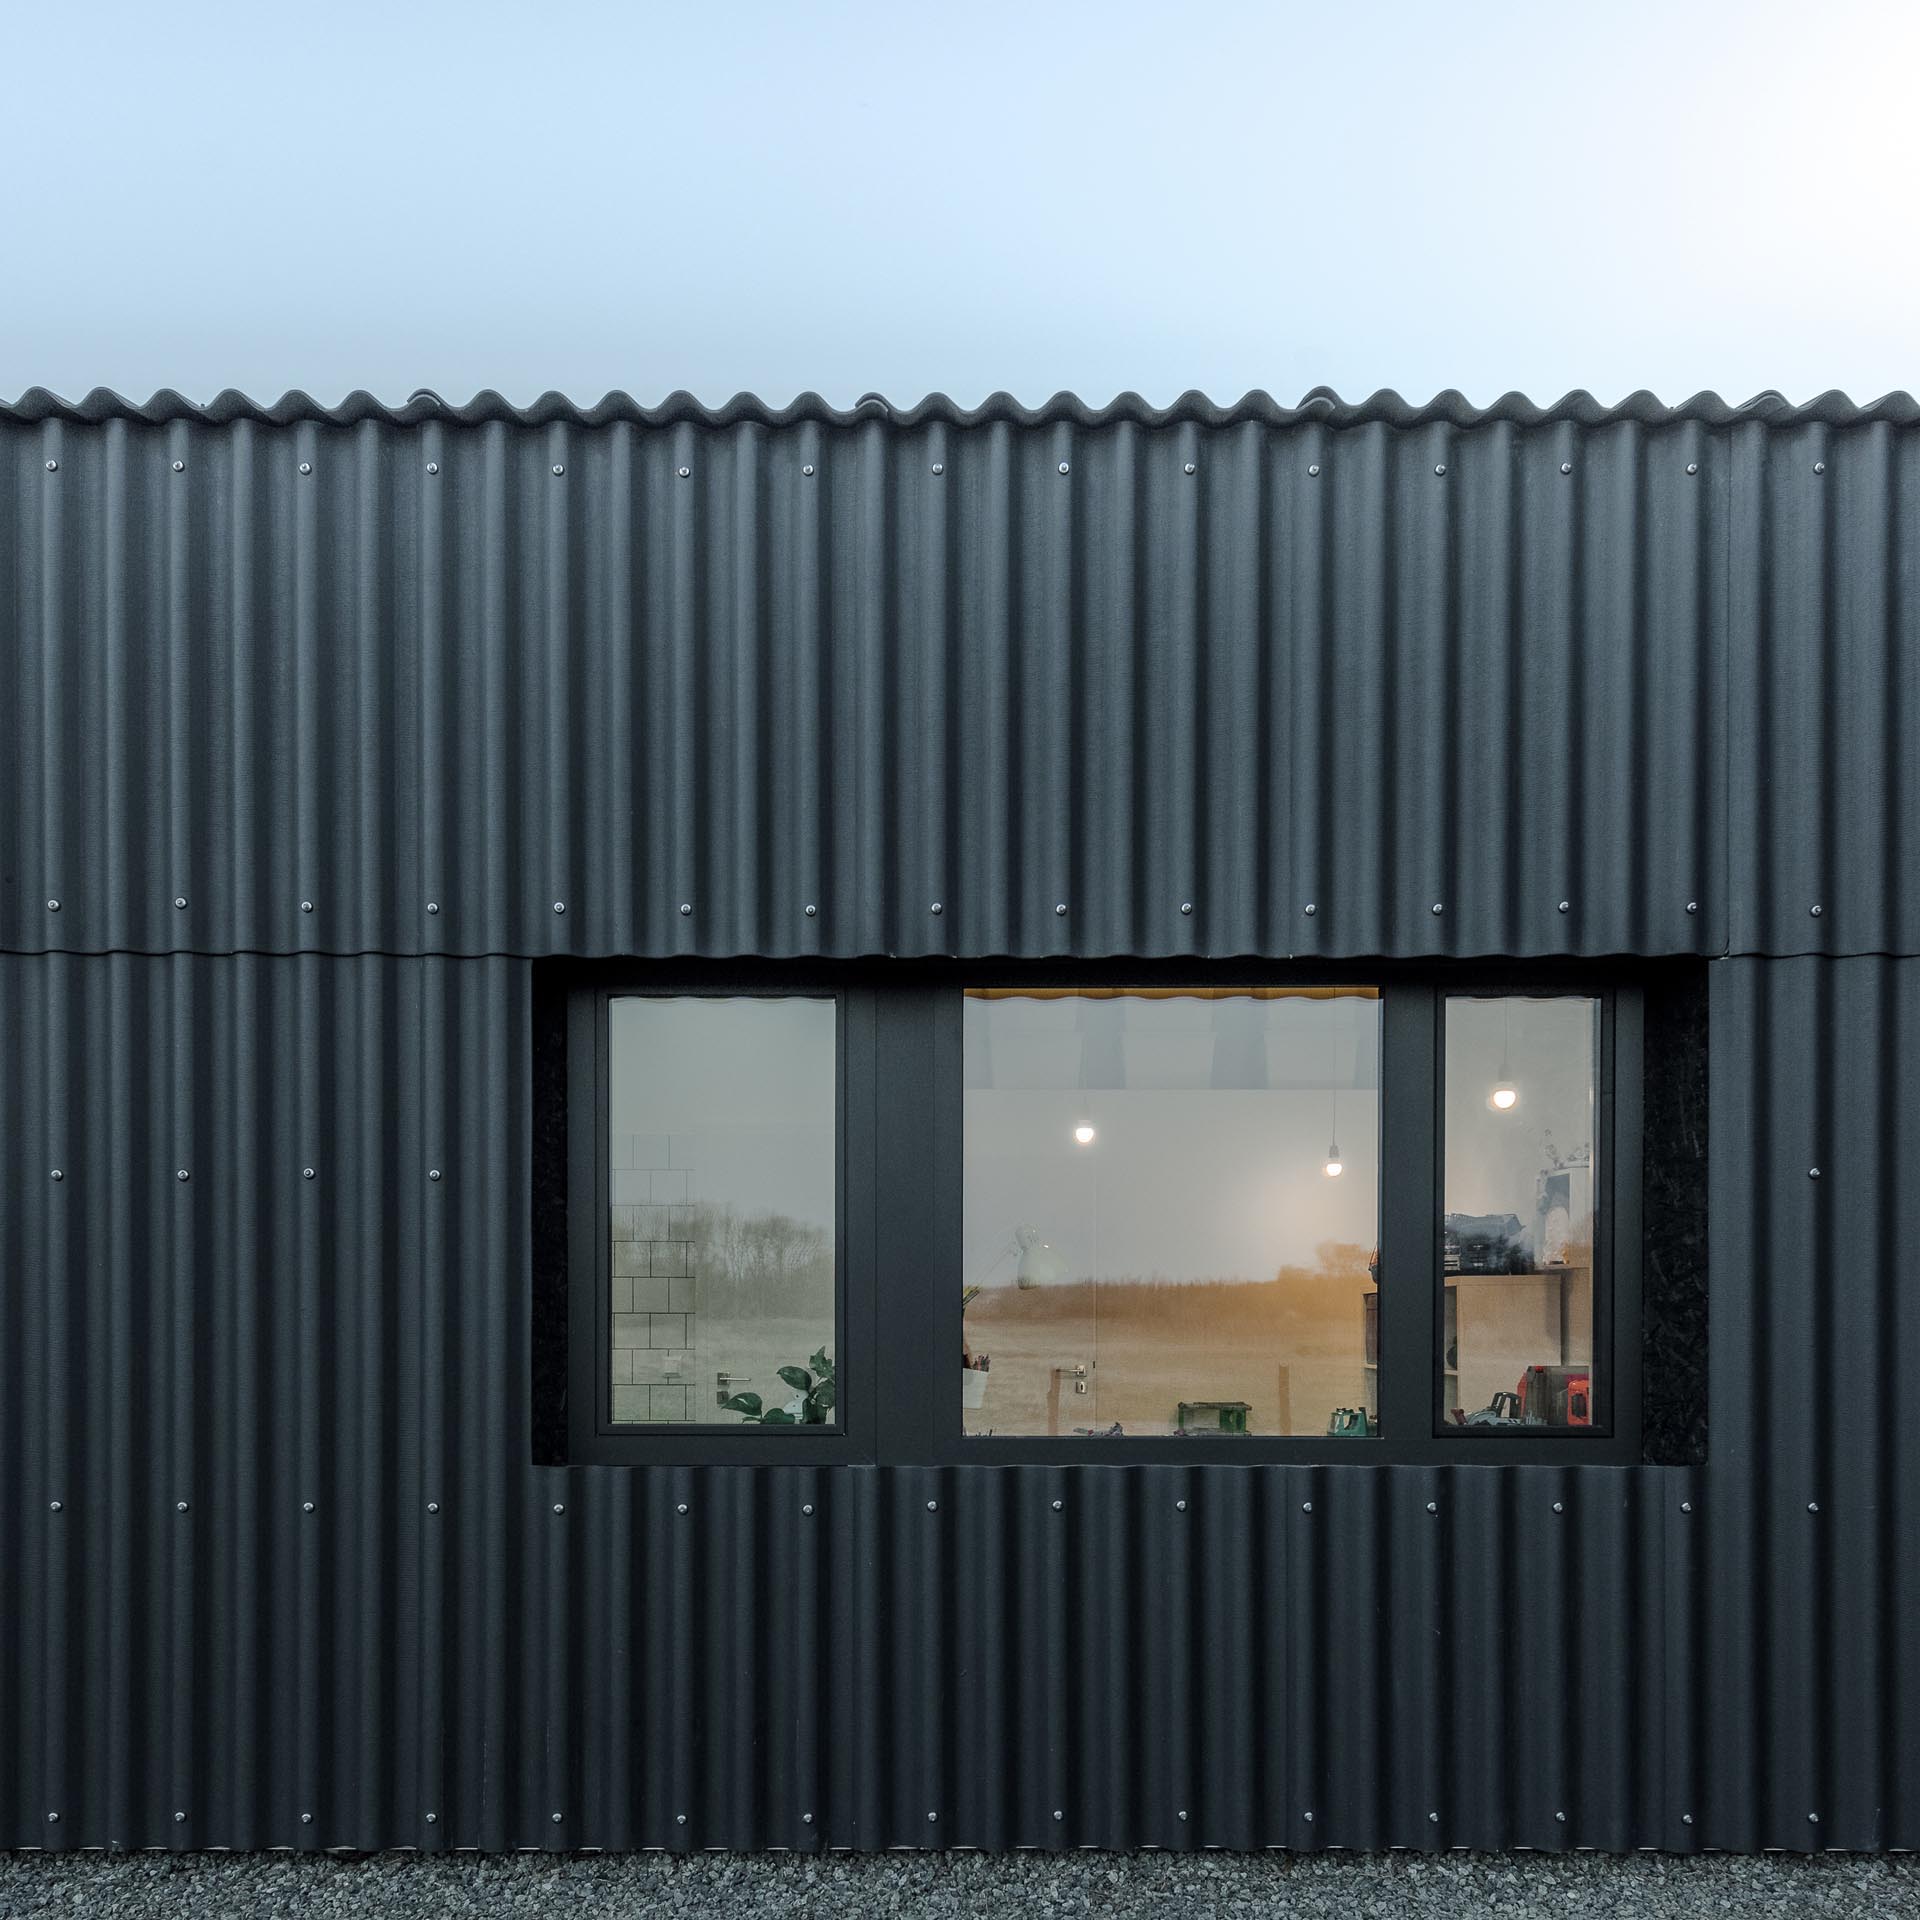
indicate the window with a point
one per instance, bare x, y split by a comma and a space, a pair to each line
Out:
716, 1235
1153, 1213
1518, 1230
1172, 1205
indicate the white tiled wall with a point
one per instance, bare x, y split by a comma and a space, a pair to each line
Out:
653, 1284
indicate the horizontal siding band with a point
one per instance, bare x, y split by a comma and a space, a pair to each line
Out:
1115, 689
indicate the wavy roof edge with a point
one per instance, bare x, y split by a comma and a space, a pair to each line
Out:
1322, 407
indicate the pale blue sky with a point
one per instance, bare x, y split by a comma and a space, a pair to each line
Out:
905, 198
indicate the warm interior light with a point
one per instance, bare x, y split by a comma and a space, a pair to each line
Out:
1084, 1134
1504, 1098
1335, 1165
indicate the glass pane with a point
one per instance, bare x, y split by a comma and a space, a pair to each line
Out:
1518, 1200
722, 1146
1172, 1206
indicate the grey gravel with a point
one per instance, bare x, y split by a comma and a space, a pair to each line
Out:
1030, 1886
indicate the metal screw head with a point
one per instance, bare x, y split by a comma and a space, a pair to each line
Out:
1306, 1506
1558, 1507
1819, 466
1815, 911
53, 906
1186, 906
1310, 909
810, 910
54, 1506
56, 1174
1061, 908
557, 1818
1693, 466
1441, 470
559, 1506
558, 470
1435, 1818
433, 466
559, 906
179, 466
1693, 906
179, 1819
1813, 1506
306, 467
806, 1506
1566, 906
433, 906
1179, 1506
1813, 1173
433, 1173
1566, 466
806, 1819
53, 466
1433, 1506
1560, 1816
1686, 1819
1308, 1815
183, 1174
933, 1816
808, 470
179, 1506
1059, 1813
1064, 467
433, 1819
686, 473
1181, 1815
53, 1819
306, 1819
306, 1506
1686, 1506
933, 1506
1059, 1506
939, 466
433, 1506
306, 906
682, 1508
180, 902
686, 907
1313, 473
936, 908
1439, 906
1191, 468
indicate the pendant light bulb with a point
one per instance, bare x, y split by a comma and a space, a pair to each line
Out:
1504, 1096
1335, 1165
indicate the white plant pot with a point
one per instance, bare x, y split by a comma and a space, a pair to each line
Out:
973, 1387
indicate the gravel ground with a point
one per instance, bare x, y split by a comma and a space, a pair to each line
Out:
1214, 1886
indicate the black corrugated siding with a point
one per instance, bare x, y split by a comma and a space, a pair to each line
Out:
1373, 689
1125, 688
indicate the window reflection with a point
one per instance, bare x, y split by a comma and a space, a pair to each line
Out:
1171, 1207
722, 1184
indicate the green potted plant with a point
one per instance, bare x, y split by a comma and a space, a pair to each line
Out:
812, 1398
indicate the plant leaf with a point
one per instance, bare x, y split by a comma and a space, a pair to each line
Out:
747, 1403
778, 1417
798, 1378
821, 1365
822, 1397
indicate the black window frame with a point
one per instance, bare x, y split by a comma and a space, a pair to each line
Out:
593, 1436
900, 1193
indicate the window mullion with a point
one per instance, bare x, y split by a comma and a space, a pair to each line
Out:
1409, 1218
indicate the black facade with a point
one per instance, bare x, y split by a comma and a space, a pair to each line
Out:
325, 735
